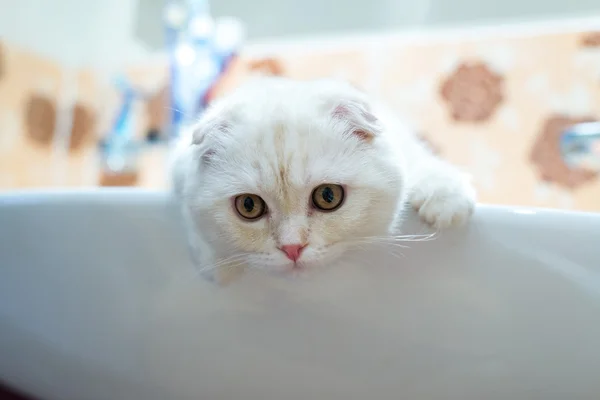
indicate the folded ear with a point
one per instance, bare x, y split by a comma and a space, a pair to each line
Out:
360, 121
209, 132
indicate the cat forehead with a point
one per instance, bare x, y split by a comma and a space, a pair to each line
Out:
291, 153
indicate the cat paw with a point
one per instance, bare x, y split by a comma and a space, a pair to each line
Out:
443, 202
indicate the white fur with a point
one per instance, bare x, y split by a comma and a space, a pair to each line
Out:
279, 139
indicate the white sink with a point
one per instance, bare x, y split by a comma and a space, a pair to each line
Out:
98, 301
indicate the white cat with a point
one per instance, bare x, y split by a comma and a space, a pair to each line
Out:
284, 175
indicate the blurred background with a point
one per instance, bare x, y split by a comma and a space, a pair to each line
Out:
93, 92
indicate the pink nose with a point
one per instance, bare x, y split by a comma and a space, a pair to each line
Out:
292, 251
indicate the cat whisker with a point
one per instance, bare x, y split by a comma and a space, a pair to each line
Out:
178, 110
399, 256
417, 237
380, 243
393, 239
403, 238
232, 261
222, 263
391, 243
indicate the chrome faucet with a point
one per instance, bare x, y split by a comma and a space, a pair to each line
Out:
580, 146
119, 150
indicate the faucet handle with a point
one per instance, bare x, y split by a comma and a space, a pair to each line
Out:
580, 146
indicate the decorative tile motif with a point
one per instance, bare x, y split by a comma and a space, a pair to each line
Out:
472, 92
267, 66
546, 157
40, 117
591, 39
82, 129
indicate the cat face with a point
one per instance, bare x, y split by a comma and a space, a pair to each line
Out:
292, 174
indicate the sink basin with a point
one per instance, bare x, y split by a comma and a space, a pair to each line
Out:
98, 300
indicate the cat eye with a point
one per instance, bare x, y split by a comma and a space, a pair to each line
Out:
328, 197
250, 206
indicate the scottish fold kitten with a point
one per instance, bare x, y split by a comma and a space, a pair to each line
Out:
285, 175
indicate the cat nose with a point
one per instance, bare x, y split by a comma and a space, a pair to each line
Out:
292, 251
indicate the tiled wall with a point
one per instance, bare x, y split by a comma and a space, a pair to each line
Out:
493, 103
